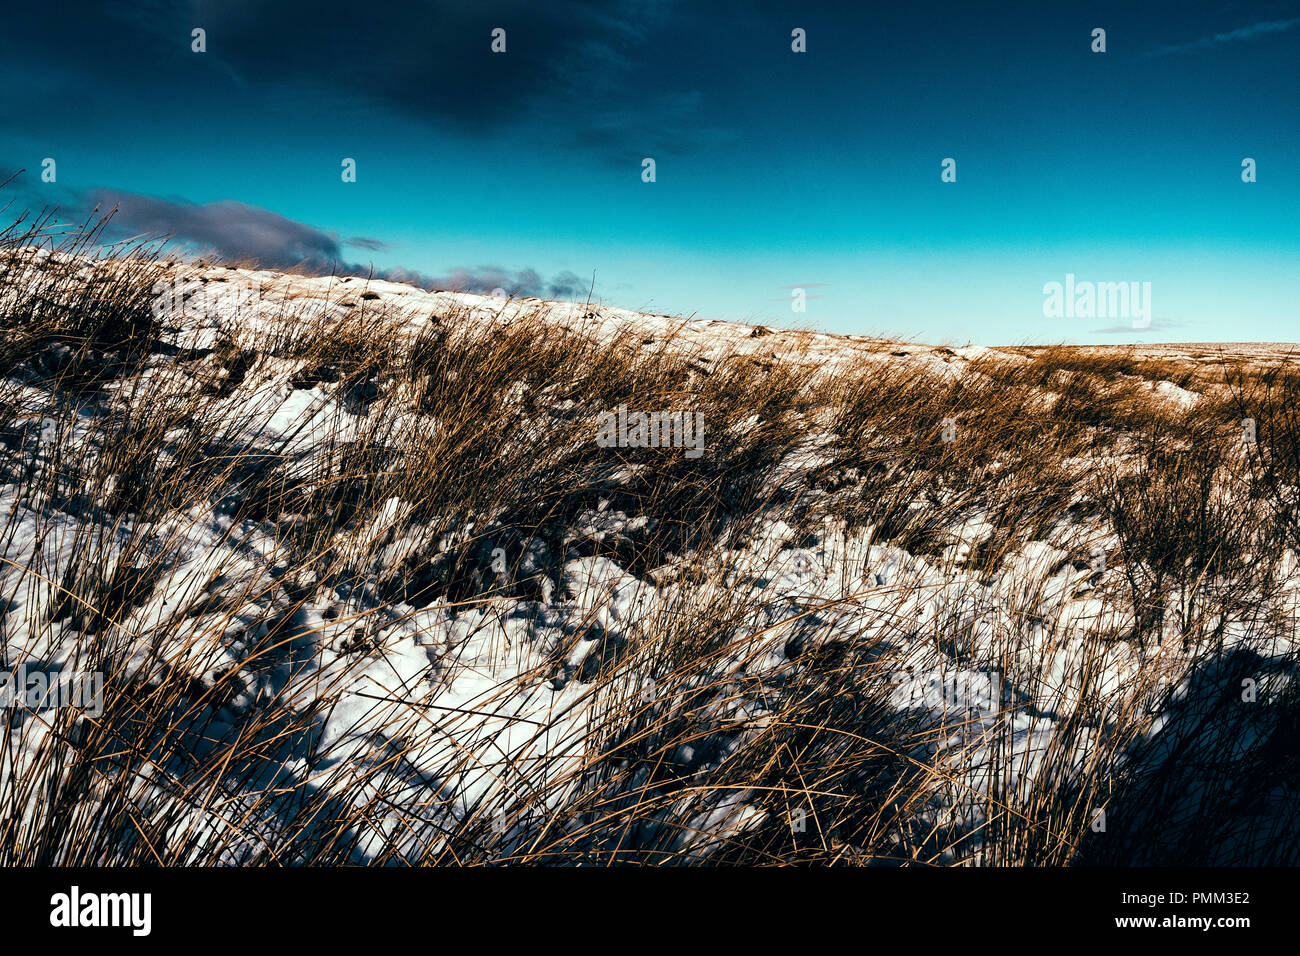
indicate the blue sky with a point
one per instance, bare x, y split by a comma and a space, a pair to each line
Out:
774, 169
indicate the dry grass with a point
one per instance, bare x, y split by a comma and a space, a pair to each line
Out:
133, 459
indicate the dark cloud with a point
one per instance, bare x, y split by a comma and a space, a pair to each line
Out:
614, 75
237, 231
567, 285
428, 59
226, 228
487, 279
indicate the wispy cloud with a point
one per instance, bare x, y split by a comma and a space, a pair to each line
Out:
374, 245
1219, 39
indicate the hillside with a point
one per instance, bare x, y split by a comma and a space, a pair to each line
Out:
362, 582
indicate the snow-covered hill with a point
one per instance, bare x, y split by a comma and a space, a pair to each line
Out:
360, 584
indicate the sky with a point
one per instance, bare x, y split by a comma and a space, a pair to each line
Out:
781, 178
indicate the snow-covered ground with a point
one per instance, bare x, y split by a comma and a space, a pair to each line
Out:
425, 723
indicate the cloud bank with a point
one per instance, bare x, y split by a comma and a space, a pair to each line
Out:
237, 231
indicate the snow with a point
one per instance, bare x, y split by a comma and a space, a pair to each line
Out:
483, 677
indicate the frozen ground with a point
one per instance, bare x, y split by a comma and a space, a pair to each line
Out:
426, 723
